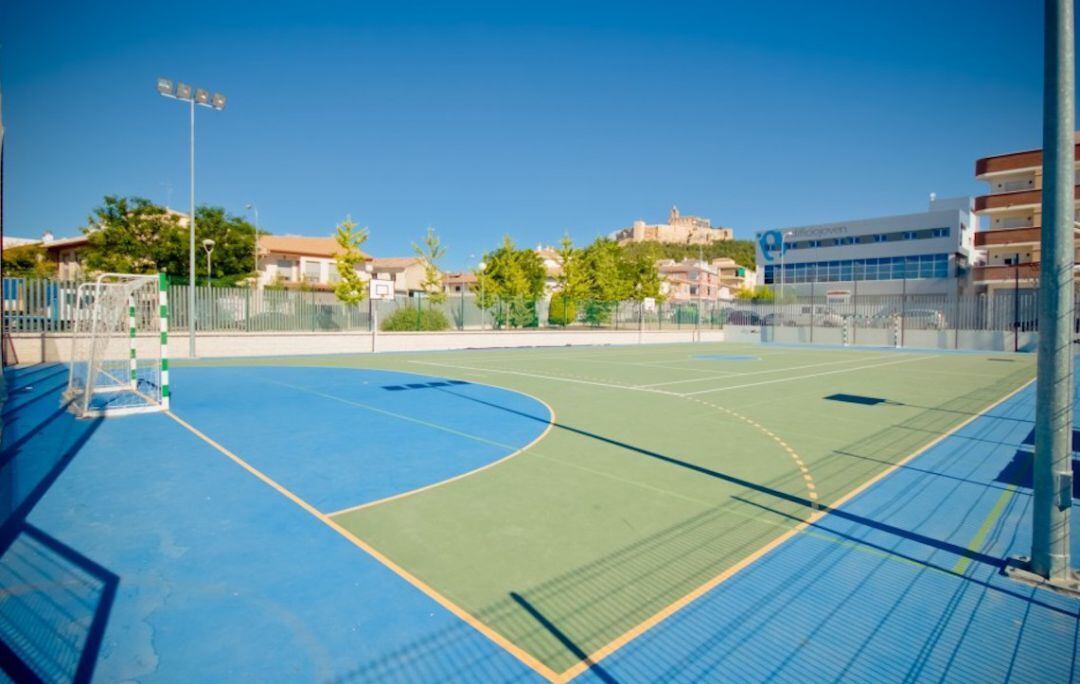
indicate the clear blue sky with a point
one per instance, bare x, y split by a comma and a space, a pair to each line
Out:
528, 119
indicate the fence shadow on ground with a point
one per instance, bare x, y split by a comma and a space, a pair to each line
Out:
563, 619
57, 602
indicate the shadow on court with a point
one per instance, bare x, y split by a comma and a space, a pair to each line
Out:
57, 601
564, 619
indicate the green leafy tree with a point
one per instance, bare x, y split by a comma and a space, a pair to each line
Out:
641, 278
134, 235
429, 253
570, 284
511, 283
350, 288
28, 261
234, 246
604, 278
741, 251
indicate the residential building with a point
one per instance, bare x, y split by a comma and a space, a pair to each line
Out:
67, 253
1011, 218
690, 230
733, 276
552, 267
925, 253
292, 260
690, 280
459, 283
406, 272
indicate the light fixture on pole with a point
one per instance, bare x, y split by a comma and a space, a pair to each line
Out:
197, 96
250, 206
208, 245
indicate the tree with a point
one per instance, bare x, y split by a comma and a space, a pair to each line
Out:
604, 278
429, 254
570, 284
641, 278
134, 235
234, 245
350, 288
513, 279
28, 261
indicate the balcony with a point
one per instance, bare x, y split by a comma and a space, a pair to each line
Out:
1008, 163
1013, 200
1007, 236
985, 274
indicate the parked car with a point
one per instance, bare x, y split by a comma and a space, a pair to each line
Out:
743, 317
819, 315
779, 320
924, 319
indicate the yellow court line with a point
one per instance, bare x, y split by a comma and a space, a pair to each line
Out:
980, 535
663, 614
446, 603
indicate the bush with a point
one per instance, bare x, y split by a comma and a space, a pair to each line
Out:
598, 313
515, 313
408, 318
561, 311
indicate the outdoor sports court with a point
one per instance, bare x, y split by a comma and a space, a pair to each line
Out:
694, 512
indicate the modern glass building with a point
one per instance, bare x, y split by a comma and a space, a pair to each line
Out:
928, 252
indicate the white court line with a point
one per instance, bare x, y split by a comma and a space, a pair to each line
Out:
548, 377
812, 375
763, 372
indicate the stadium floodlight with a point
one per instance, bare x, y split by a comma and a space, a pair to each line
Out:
192, 96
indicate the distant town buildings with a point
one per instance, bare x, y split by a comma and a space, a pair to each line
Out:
689, 230
689, 280
1012, 219
924, 253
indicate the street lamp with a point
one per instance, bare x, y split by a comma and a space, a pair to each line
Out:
197, 96
208, 245
250, 206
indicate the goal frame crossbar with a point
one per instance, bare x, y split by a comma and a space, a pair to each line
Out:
94, 334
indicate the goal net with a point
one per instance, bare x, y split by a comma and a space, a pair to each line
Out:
119, 363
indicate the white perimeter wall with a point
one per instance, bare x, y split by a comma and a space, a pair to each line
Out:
39, 348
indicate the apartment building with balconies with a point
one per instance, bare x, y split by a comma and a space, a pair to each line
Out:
1010, 217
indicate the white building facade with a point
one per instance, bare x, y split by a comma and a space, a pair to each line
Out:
924, 253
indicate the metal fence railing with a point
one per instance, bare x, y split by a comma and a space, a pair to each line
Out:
38, 305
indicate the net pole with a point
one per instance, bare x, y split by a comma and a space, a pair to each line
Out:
163, 314
1052, 496
132, 362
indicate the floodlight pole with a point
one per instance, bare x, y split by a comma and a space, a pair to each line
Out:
191, 239
1052, 497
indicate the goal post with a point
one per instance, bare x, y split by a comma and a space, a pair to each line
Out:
119, 346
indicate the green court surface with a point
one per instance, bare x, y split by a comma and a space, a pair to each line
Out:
667, 468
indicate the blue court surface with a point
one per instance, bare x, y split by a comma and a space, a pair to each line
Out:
132, 549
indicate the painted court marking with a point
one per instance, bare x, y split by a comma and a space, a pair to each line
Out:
664, 613
496, 638
811, 375
693, 595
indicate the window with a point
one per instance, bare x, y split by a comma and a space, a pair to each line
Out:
910, 235
312, 271
879, 238
940, 232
